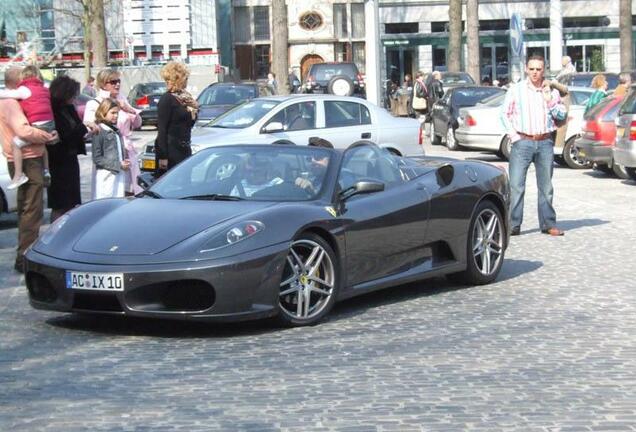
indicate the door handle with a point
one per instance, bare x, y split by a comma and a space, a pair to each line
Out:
366, 135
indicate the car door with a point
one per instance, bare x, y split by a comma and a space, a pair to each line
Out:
297, 121
385, 231
346, 122
441, 113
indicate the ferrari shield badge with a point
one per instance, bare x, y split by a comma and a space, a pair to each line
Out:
331, 211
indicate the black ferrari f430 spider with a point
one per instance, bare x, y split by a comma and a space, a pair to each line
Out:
251, 231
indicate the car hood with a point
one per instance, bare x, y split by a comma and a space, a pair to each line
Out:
206, 136
146, 226
210, 112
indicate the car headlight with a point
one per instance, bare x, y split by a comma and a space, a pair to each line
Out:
233, 235
53, 229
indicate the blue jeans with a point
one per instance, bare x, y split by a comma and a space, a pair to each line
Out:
523, 153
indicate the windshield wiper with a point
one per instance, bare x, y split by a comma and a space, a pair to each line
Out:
149, 193
213, 197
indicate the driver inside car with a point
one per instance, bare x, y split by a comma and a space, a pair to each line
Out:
258, 174
312, 180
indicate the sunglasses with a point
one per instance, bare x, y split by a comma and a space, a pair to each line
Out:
114, 82
535, 69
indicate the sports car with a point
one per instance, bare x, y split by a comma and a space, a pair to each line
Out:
251, 231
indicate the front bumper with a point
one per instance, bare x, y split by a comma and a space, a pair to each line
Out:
624, 152
230, 289
594, 151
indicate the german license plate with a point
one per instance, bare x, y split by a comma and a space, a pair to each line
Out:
95, 281
148, 164
620, 131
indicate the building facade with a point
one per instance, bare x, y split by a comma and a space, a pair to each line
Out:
137, 30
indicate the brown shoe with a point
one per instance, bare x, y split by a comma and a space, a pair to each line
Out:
554, 231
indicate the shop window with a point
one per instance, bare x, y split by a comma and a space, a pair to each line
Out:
359, 57
261, 22
340, 20
393, 28
262, 60
357, 20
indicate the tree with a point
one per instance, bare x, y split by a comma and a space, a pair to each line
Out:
625, 32
279, 53
454, 35
472, 38
98, 31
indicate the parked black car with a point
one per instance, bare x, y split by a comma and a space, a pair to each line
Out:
584, 79
340, 79
452, 79
145, 97
445, 112
219, 98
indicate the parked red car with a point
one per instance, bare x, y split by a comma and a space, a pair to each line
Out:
599, 136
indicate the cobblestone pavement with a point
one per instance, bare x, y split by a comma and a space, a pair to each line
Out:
551, 346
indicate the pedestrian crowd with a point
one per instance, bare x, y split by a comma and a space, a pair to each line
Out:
42, 135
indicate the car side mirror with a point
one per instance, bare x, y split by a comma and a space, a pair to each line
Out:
273, 127
361, 187
146, 179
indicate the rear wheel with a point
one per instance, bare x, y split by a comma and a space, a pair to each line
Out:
309, 284
451, 141
504, 148
620, 171
485, 247
631, 172
571, 156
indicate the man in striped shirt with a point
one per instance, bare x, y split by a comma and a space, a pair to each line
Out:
529, 114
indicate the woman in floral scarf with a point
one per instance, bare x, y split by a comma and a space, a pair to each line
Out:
176, 113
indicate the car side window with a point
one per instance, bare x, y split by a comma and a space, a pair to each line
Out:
341, 114
298, 116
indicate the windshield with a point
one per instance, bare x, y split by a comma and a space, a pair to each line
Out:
226, 94
153, 88
252, 173
244, 115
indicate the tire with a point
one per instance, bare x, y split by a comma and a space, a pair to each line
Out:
483, 242
340, 85
435, 139
631, 172
311, 273
571, 156
604, 169
504, 149
620, 171
451, 141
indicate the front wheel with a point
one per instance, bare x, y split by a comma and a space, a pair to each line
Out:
435, 139
485, 247
310, 281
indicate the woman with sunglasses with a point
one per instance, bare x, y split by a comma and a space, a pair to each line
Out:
109, 86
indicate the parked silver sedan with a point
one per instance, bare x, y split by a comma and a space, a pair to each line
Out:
341, 120
624, 151
480, 127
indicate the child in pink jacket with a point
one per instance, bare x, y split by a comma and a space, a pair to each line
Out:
35, 101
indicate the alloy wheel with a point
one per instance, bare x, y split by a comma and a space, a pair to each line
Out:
308, 281
488, 242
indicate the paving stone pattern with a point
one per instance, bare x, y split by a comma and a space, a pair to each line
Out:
551, 346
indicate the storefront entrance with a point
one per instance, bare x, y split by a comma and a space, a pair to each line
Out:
399, 62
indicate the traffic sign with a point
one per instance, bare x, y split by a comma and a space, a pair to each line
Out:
516, 35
